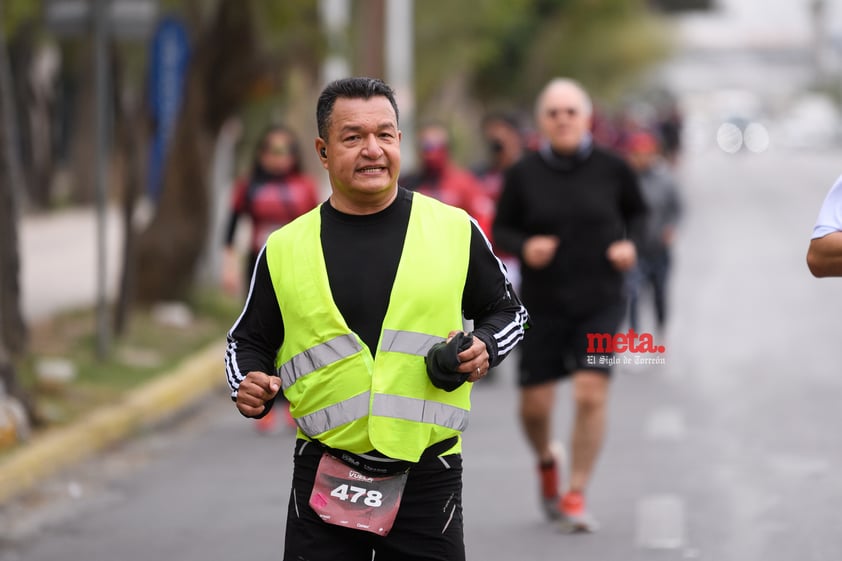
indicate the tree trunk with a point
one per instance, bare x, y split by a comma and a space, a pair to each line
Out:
168, 250
224, 62
370, 17
34, 69
82, 140
130, 137
12, 325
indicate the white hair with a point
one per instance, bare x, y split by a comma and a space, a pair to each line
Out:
567, 84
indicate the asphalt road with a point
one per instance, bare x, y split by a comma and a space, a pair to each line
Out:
726, 452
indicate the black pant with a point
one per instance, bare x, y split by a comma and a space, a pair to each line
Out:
652, 270
558, 345
428, 526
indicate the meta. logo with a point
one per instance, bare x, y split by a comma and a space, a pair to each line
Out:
623, 342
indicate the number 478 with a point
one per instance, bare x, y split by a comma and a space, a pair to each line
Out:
352, 493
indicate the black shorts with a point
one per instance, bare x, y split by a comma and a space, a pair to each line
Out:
428, 526
555, 346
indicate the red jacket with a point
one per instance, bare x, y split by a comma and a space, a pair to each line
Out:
271, 204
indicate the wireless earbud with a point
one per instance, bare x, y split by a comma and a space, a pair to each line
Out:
323, 152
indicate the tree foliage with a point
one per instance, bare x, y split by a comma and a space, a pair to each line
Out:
17, 11
506, 50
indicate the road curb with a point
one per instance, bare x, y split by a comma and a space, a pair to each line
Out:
45, 455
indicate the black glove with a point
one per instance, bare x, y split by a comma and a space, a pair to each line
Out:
442, 362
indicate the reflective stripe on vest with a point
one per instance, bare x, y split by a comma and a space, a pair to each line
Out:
394, 406
304, 363
335, 415
317, 357
408, 342
421, 411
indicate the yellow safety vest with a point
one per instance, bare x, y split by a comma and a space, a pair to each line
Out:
340, 395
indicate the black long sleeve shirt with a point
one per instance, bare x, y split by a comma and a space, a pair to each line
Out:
362, 253
589, 202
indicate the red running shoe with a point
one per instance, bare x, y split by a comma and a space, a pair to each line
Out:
550, 476
575, 517
266, 424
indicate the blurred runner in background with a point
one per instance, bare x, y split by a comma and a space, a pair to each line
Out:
273, 194
663, 201
441, 178
505, 144
568, 211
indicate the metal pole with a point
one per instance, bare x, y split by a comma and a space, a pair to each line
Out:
400, 69
101, 158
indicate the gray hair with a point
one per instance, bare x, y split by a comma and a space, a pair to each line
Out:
569, 84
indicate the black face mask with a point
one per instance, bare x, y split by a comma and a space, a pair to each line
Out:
495, 146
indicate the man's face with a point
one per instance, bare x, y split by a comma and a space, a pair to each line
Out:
362, 149
562, 118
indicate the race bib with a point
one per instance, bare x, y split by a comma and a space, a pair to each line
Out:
346, 497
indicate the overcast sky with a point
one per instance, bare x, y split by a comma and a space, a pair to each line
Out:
762, 23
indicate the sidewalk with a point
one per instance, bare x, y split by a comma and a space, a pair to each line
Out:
59, 260
59, 272
152, 403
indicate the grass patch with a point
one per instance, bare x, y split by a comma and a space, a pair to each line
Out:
152, 345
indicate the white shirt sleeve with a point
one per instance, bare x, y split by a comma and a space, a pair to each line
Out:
830, 215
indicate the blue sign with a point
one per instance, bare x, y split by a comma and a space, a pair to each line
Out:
168, 61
